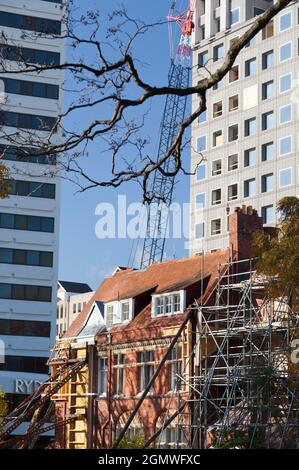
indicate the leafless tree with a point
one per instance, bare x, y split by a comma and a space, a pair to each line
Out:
107, 84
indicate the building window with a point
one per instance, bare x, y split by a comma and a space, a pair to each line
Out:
74, 308
26, 257
119, 374
234, 16
146, 365
216, 197
285, 51
268, 90
285, 145
217, 109
250, 187
285, 114
203, 59
234, 74
233, 133
102, 376
285, 177
219, 85
250, 67
250, 127
172, 437
125, 311
285, 22
200, 231
167, 304
233, 162
30, 23
234, 103
16, 154
268, 31
109, 315
201, 172
200, 201
232, 193
268, 152
285, 83
30, 56
267, 183
175, 368
25, 292
201, 143
267, 121
27, 222
268, 60
31, 189
37, 365
268, 214
218, 52
217, 138
202, 117
216, 167
216, 227
25, 328
26, 88
250, 157
27, 121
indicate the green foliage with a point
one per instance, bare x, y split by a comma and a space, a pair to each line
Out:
279, 257
3, 405
136, 442
4, 186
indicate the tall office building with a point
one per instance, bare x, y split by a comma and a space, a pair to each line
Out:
248, 137
29, 218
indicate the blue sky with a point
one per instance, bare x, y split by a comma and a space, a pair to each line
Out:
84, 257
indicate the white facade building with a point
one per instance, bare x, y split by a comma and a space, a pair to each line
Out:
71, 299
248, 136
29, 218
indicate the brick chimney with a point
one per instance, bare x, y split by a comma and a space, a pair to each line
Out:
243, 222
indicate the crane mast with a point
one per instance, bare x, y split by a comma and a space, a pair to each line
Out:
162, 186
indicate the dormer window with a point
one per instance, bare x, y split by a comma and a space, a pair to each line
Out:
167, 304
118, 312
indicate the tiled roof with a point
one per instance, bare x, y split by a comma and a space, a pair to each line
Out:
75, 287
161, 277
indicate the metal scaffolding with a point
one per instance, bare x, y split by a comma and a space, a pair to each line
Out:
245, 384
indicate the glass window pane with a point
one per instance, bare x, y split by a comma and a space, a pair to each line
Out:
285, 145
21, 222
5, 291
6, 255
7, 220
19, 257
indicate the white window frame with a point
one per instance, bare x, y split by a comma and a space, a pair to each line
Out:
283, 138
105, 370
117, 310
239, 14
289, 105
205, 166
287, 185
197, 139
235, 198
289, 13
231, 155
181, 293
219, 233
280, 78
219, 172
205, 202
281, 46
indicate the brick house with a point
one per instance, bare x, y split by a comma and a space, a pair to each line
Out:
123, 333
